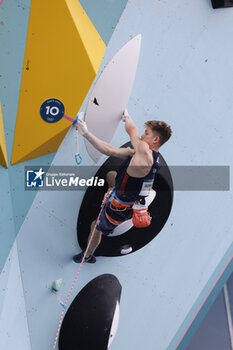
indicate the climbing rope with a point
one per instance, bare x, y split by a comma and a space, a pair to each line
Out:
106, 198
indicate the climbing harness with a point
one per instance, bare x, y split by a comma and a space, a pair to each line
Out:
64, 305
119, 203
141, 217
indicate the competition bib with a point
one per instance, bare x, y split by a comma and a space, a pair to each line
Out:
146, 187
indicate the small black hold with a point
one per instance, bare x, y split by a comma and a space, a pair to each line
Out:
96, 102
222, 3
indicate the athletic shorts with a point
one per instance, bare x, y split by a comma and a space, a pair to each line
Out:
107, 227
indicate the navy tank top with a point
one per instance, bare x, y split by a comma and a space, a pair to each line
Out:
129, 188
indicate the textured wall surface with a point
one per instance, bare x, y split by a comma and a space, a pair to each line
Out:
14, 201
14, 15
184, 77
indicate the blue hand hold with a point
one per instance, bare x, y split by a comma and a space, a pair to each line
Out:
76, 119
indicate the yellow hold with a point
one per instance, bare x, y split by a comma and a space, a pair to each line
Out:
3, 153
63, 54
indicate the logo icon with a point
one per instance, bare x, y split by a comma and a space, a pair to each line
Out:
35, 178
52, 110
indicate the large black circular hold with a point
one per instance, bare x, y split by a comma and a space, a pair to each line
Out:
134, 238
92, 318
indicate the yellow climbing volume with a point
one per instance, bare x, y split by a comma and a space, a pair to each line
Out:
63, 54
3, 153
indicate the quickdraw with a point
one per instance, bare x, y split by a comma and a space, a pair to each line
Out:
78, 157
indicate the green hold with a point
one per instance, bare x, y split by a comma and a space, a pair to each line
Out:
57, 285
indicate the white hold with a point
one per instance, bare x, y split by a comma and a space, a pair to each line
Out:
81, 115
125, 251
110, 95
115, 323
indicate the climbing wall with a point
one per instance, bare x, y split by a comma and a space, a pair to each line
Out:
62, 56
183, 78
31, 51
14, 200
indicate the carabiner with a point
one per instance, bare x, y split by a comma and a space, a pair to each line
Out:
78, 158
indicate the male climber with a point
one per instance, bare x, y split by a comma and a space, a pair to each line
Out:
133, 180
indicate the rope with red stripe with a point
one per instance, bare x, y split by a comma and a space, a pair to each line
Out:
106, 197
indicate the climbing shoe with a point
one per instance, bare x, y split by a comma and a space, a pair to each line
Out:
78, 258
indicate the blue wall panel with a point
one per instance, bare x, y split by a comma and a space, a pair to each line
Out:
14, 17
104, 14
184, 78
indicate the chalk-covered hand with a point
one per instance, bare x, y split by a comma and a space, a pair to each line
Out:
81, 126
124, 115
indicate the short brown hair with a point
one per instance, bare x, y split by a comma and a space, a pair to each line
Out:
163, 129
